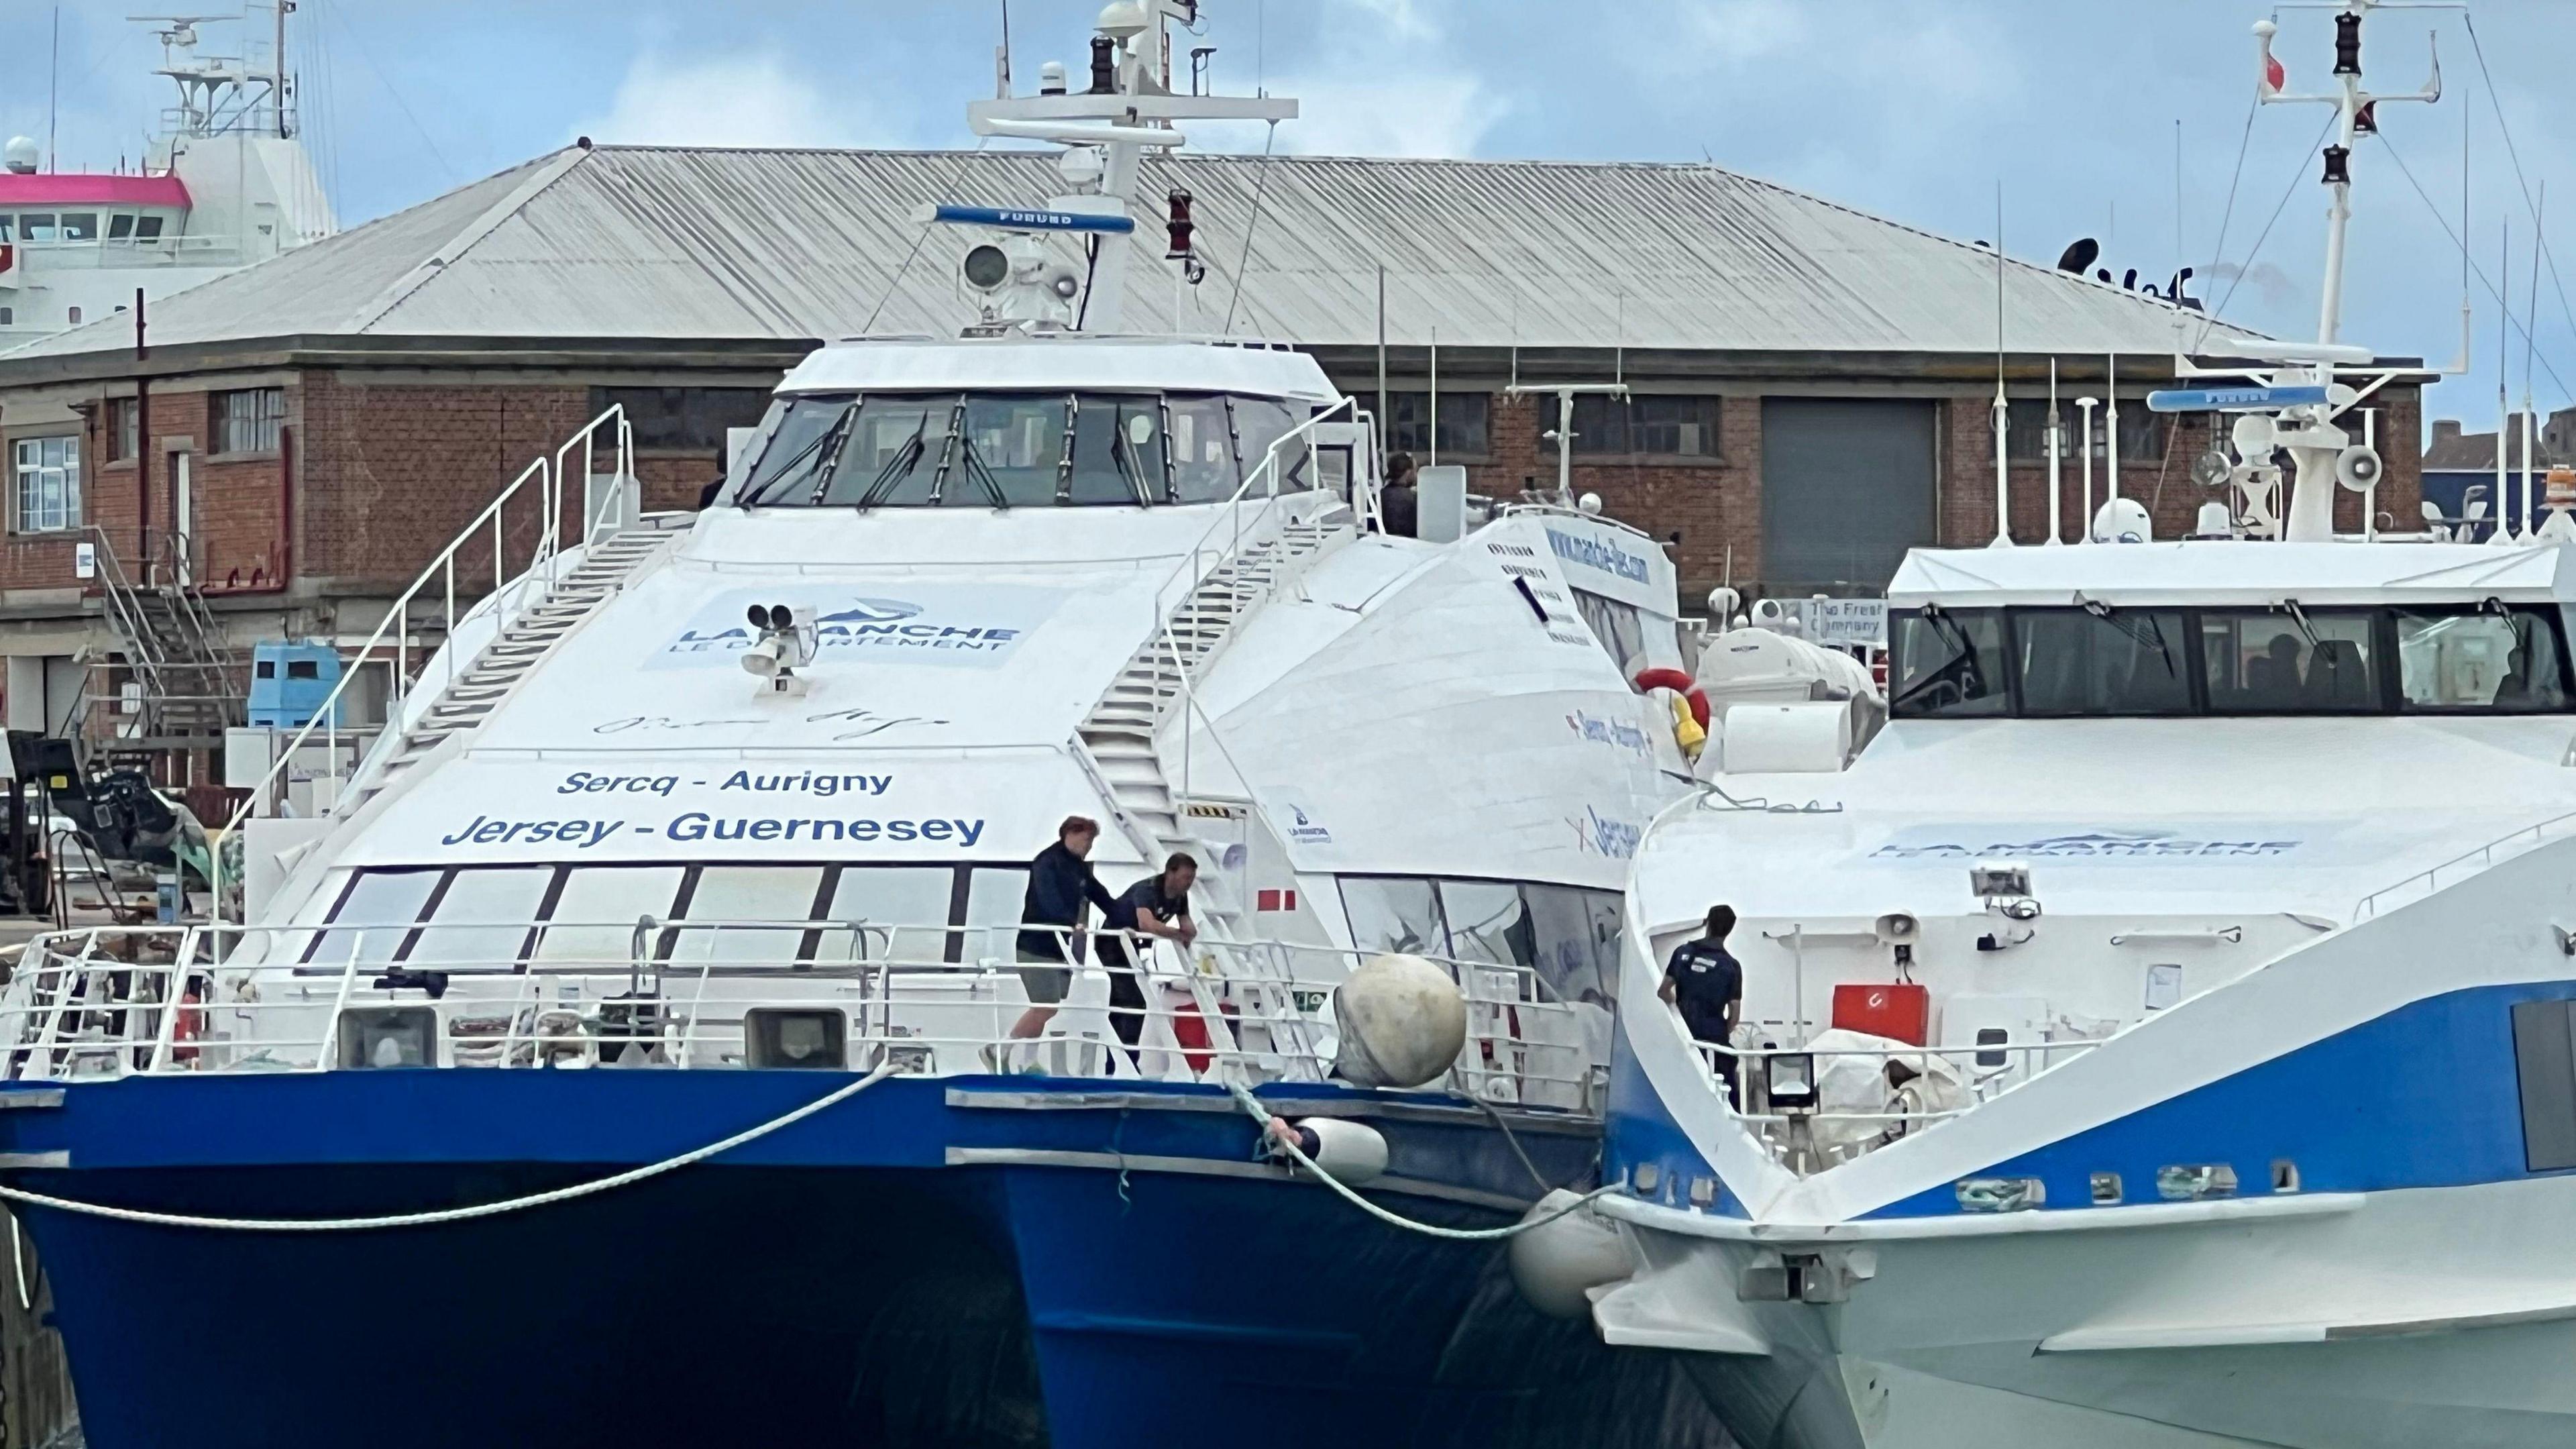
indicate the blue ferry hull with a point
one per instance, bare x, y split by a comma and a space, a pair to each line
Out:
935, 1262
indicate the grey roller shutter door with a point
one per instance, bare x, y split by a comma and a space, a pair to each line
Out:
1847, 487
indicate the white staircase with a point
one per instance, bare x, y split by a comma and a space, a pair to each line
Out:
1116, 738
481, 686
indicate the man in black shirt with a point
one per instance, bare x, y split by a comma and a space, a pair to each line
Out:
1707, 983
1158, 905
1060, 881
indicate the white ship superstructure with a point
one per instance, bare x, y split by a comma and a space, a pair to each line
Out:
2157, 1035
226, 183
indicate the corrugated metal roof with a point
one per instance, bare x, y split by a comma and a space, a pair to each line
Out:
675, 243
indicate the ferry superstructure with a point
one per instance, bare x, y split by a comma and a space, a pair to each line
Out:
2158, 1034
226, 184
625, 1045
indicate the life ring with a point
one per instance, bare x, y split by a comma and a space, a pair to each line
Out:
1681, 684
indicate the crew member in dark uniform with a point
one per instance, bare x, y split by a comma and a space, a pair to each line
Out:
1707, 983
1158, 905
1060, 882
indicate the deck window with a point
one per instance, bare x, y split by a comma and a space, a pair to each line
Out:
461, 932
1392, 914
148, 228
80, 226
120, 226
746, 894
2284, 662
372, 920
593, 921
876, 900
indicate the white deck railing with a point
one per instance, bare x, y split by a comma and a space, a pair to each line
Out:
117, 1001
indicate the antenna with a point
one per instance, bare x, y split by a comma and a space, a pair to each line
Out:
2504, 338
1002, 58
2003, 420
2530, 346
54, 98
2056, 534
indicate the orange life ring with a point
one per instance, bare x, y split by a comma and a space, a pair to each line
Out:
1683, 684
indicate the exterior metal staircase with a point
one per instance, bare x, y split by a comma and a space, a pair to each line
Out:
1117, 737
481, 686
190, 682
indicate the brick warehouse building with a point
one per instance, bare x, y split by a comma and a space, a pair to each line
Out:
1811, 387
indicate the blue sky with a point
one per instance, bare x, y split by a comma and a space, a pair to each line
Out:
1911, 109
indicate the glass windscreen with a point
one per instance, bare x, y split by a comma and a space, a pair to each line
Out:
593, 922
1018, 449
1949, 664
733, 906
483, 918
374, 917
892, 912
993, 898
1486, 922
2107, 661
2500, 660
2281, 662
2464, 658
1390, 914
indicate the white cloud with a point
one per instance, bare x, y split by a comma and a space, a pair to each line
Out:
742, 99
1418, 115
1737, 33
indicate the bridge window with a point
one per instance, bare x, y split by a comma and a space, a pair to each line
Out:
2282, 662
1024, 450
80, 226
2101, 660
2500, 660
1949, 664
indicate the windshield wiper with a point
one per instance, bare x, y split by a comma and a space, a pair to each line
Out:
982, 472
832, 441
1961, 652
2299, 617
898, 467
1126, 461
786, 470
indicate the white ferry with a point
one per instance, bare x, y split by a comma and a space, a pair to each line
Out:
2158, 1034
633, 1046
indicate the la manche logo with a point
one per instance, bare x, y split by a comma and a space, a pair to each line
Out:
890, 622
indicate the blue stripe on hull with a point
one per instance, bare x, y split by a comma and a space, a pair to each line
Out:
835, 1284
2425, 1096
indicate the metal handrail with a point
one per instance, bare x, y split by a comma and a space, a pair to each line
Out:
78, 998
548, 475
2367, 907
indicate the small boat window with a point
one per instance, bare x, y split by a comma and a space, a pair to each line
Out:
1486, 922
2276, 661
1118, 454
877, 898
593, 922
147, 228
80, 226
994, 895
372, 918
2103, 661
37, 226
515, 895
120, 226
1949, 664
745, 894
1202, 450
1394, 914
2497, 659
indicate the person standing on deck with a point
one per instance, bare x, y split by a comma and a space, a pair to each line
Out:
1060, 881
1707, 983
1158, 905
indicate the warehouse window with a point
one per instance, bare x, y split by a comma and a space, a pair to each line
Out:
694, 418
1464, 424
124, 429
45, 474
247, 420
1643, 425
2142, 432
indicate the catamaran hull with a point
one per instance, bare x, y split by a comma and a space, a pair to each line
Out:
2350, 1321
936, 1263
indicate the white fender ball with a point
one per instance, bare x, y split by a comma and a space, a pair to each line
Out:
1403, 1023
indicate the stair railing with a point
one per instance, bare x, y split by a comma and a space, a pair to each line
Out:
434, 591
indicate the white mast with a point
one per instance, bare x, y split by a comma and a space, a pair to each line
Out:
1127, 109
2055, 460
2297, 402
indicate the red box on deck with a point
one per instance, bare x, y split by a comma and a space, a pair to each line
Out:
1898, 1009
